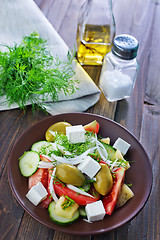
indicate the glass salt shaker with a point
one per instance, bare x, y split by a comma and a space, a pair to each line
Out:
120, 67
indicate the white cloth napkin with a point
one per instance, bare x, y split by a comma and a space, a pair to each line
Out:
19, 18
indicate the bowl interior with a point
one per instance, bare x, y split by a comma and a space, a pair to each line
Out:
141, 183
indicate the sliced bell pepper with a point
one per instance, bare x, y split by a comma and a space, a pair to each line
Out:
109, 201
61, 189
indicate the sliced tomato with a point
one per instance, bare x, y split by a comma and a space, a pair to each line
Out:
102, 161
45, 203
44, 158
80, 199
109, 201
41, 175
92, 127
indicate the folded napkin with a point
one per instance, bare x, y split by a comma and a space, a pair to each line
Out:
19, 18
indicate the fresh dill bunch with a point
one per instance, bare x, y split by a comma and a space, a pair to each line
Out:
29, 73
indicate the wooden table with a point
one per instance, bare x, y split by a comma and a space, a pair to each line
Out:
140, 114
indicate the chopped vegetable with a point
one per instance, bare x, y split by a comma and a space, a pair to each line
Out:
110, 150
66, 207
125, 194
75, 160
46, 158
70, 174
41, 175
80, 199
59, 127
82, 211
58, 219
92, 127
51, 193
104, 180
105, 140
78, 190
38, 145
51, 185
42, 164
109, 201
28, 163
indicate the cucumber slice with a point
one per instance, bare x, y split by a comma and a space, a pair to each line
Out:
58, 219
37, 146
28, 163
82, 212
110, 150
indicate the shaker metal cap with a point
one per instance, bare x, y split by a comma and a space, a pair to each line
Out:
125, 46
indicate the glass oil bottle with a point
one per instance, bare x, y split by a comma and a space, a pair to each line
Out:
95, 31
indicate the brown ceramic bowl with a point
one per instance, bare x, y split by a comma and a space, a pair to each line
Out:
141, 180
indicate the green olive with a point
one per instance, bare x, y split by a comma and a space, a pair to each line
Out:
57, 127
104, 180
70, 174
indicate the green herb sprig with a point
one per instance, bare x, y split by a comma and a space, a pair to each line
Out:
68, 202
77, 148
57, 181
28, 72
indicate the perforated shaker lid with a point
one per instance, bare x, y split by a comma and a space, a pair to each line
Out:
125, 46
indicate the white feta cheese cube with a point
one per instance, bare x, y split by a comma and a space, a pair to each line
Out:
95, 211
121, 145
37, 193
75, 134
89, 167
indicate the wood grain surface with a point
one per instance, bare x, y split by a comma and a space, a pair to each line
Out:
140, 114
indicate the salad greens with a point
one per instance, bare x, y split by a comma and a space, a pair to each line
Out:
79, 177
76, 148
28, 72
73, 149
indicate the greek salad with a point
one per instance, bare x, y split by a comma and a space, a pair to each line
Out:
74, 172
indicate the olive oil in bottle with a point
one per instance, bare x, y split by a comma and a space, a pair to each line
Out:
94, 45
95, 32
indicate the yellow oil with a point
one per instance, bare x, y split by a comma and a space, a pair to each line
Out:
94, 44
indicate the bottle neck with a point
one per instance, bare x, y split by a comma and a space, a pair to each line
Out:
104, 12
